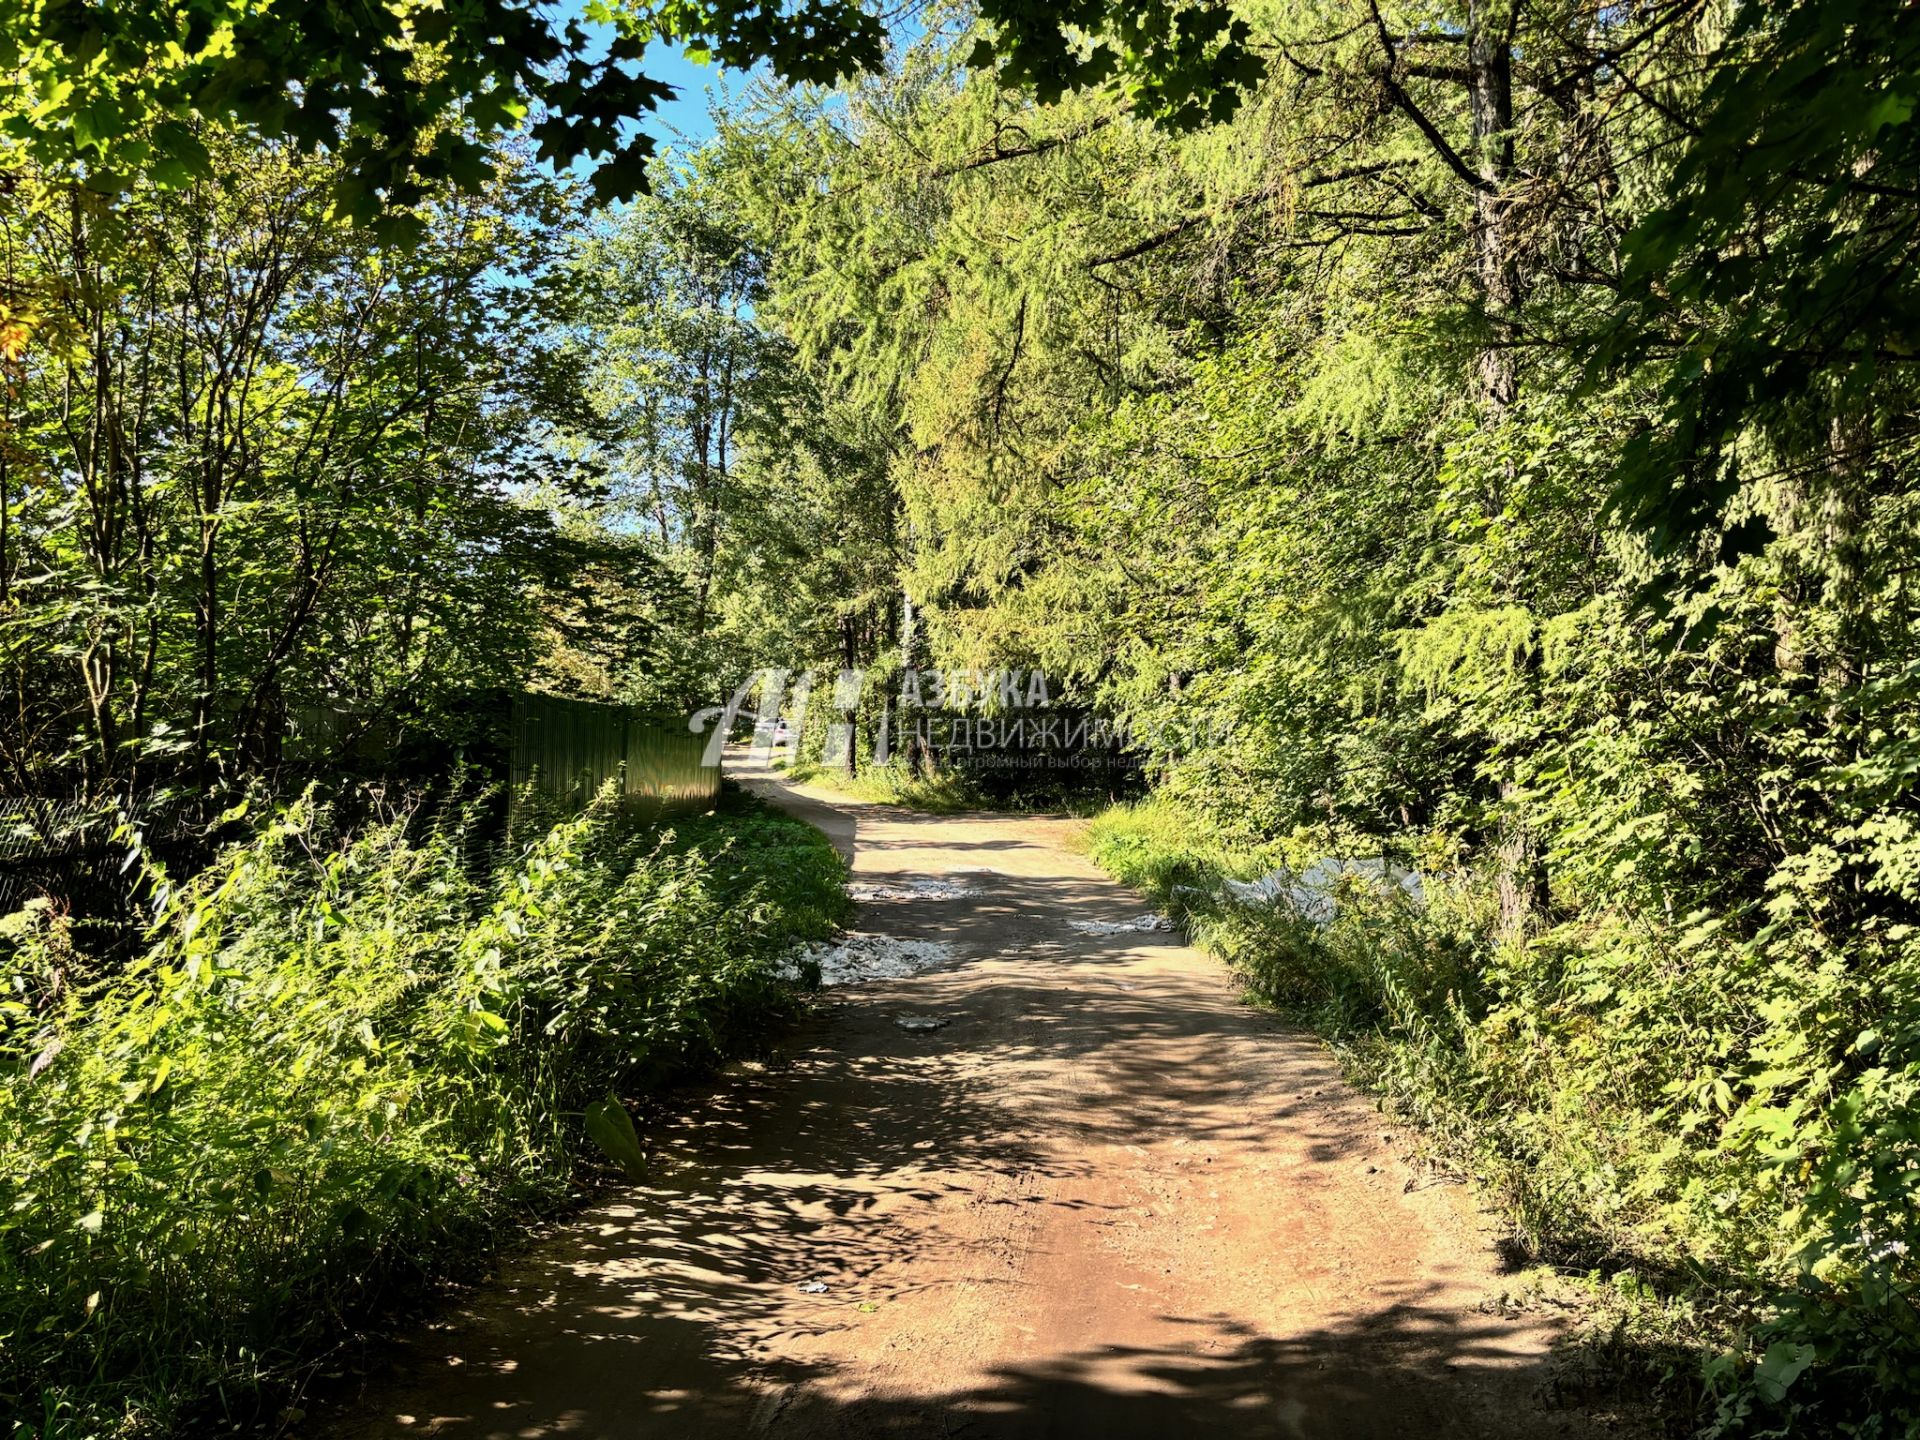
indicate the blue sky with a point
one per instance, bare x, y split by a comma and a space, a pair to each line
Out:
684, 118
686, 113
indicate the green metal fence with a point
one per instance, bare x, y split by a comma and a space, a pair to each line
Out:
570, 748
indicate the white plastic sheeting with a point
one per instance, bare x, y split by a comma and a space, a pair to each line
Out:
864, 891
1313, 893
1140, 924
864, 956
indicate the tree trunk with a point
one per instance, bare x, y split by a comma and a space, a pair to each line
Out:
1520, 876
1490, 105
1520, 871
207, 622
849, 663
918, 761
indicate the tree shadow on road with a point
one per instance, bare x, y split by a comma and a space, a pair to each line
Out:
874, 1174
814, 1197
1407, 1370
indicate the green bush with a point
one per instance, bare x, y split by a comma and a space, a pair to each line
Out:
341, 1071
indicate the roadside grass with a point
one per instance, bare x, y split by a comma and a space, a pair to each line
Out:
944, 792
345, 1069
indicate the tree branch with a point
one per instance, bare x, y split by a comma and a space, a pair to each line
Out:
1240, 202
1434, 138
1039, 147
1398, 94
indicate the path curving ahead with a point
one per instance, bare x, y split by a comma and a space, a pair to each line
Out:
1105, 1200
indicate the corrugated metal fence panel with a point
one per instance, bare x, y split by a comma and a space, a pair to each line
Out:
67, 850
50, 846
570, 748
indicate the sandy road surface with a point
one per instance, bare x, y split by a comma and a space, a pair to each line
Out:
1105, 1200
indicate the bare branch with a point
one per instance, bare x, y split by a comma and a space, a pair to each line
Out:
1038, 147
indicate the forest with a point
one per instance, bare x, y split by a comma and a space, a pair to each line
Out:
1476, 434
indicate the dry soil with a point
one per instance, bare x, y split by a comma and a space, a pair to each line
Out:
1105, 1199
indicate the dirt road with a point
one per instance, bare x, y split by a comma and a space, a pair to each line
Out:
1104, 1200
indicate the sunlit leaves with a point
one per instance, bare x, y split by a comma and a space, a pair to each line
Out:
411, 95
1769, 292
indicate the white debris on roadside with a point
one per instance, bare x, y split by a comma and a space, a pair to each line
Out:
1312, 893
920, 1024
864, 956
911, 890
1139, 924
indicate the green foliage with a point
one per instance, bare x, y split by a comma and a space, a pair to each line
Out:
1176, 63
410, 97
341, 1071
305, 488
1770, 293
